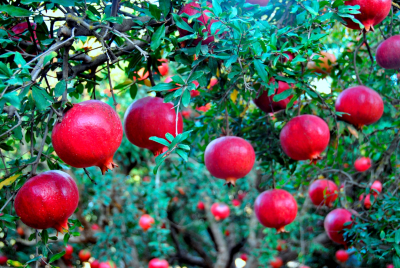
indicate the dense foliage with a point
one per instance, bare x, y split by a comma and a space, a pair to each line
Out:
58, 53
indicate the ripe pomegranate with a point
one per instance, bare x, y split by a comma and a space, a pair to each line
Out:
154, 118
69, 250
244, 257
163, 68
323, 192
362, 105
229, 158
367, 200
266, 103
289, 54
304, 266
220, 211
95, 264
324, 65
84, 255
88, 135
372, 12
95, 227
342, 255
362, 164
22, 27
275, 209
20, 231
305, 137
194, 93
376, 188
108, 264
235, 202
193, 9
390, 266
334, 224
158, 263
276, 263
146, 221
262, 3
386, 55
3, 260
47, 200
200, 205
241, 195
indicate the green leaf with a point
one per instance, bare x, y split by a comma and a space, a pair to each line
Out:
157, 37
165, 6
5, 70
216, 7
155, 11
311, 10
169, 137
57, 256
181, 23
260, 68
186, 98
159, 140
184, 147
163, 87
49, 57
14, 11
40, 100
60, 88
382, 234
133, 91
182, 154
8, 218
13, 99
397, 236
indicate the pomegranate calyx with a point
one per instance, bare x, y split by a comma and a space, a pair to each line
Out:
315, 159
62, 227
109, 165
281, 230
230, 182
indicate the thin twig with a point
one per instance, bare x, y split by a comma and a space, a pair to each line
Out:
111, 87
355, 63
88, 174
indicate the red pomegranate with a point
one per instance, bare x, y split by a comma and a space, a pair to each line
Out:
193, 9
376, 188
323, 192
47, 200
220, 211
266, 103
241, 195
334, 224
386, 55
158, 263
146, 221
289, 54
88, 135
95, 227
22, 27
3, 260
84, 255
390, 266
361, 105
305, 137
367, 200
69, 250
342, 255
95, 264
304, 266
200, 205
163, 68
243, 256
108, 264
154, 118
275, 209
194, 93
235, 202
262, 3
229, 158
362, 164
372, 12
276, 263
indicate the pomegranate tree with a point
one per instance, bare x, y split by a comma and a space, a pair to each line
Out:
152, 117
372, 12
323, 192
361, 106
335, 224
89, 135
342, 255
362, 164
266, 103
229, 158
305, 137
146, 221
220, 211
158, 263
84, 255
47, 200
386, 55
275, 209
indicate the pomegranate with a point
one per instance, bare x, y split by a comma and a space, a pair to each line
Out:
94, 264
95, 227
266, 103
367, 200
361, 105
243, 256
20, 231
324, 64
227, 233
158, 263
275, 209
242, 195
262, 3
88, 135
84, 255
200, 205
289, 54
390, 266
146, 221
154, 118
386, 55
323, 192
235, 202
376, 188
334, 224
193, 9
220, 211
22, 27
372, 12
194, 93
305, 137
3, 260
47, 200
229, 158
163, 68
304, 266
362, 164
69, 250
108, 264
342, 255
276, 263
